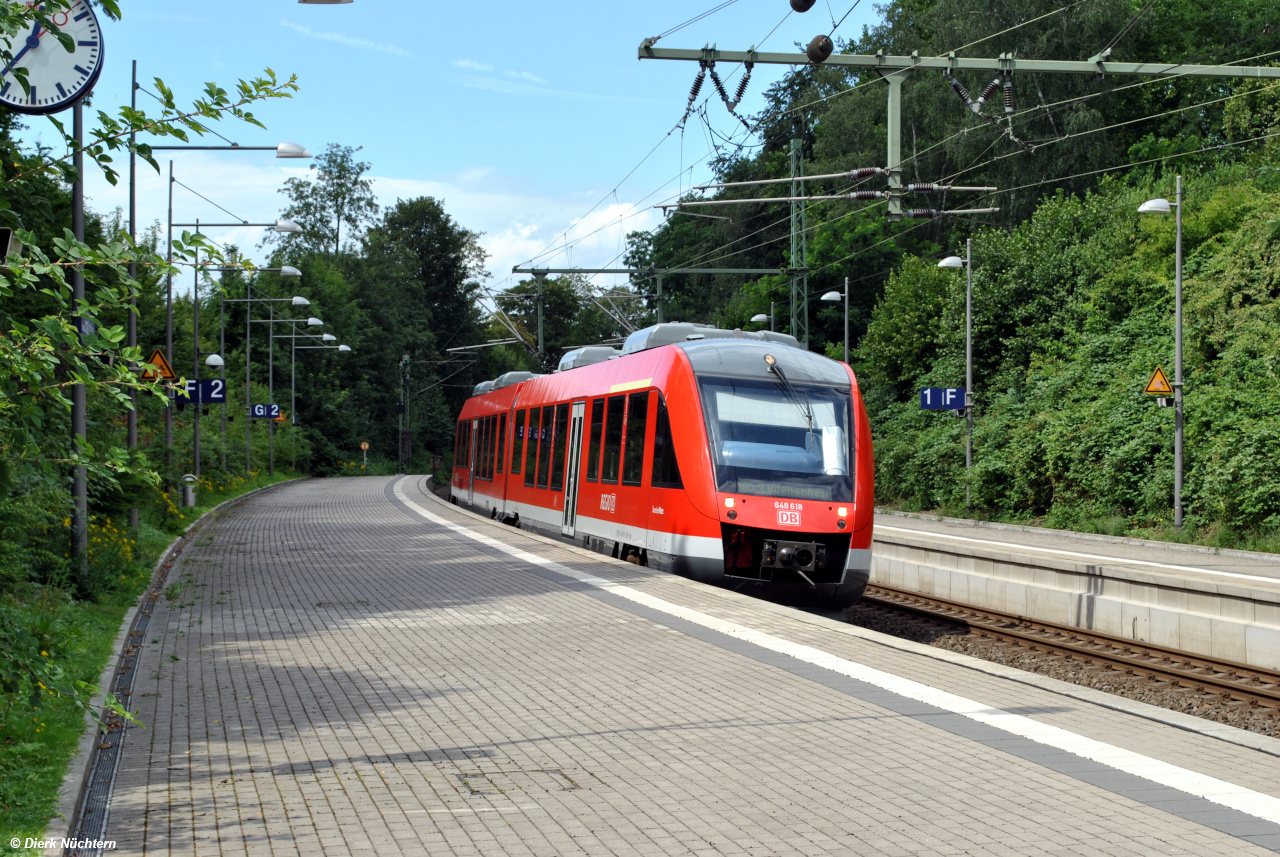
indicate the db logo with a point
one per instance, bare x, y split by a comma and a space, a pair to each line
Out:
608, 502
788, 518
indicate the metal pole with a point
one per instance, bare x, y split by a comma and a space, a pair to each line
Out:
799, 248
846, 319
968, 367
1177, 366
660, 317
248, 381
133, 275
772, 307
195, 347
271, 394
79, 398
542, 351
893, 133
168, 342
222, 351
293, 398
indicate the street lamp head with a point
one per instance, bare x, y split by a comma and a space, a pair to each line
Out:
285, 225
832, 296
214, 361
344, 347
1156, 206
289, 271
314, 322
292, 150
299, 300
758, 317
951, 262
328, 337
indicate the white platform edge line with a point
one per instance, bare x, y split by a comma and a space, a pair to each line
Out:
1217, 791
1110, 560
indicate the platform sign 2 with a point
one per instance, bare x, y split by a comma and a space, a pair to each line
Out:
271, 412
211, 391
941, 398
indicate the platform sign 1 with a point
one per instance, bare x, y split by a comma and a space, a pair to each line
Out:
265, 412
211, 391
941, 398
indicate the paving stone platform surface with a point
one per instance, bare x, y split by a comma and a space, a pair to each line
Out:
332, 672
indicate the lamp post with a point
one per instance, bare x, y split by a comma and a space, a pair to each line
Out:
282, 150
967, 264
296, 300
1163, 206
760, 318
293, 364
213, 361
835, 296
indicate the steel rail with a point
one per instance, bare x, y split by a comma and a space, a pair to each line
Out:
1184, 671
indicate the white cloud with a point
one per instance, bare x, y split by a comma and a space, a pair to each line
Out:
518, 222
529, 76
473, 65
349, 41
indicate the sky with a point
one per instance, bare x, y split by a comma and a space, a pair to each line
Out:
534, 123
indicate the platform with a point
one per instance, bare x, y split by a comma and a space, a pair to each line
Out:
1219, 603
353, 666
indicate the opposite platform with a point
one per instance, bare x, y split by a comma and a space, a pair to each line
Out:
352, 666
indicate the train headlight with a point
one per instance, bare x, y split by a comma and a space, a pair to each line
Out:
728, 502
843, 511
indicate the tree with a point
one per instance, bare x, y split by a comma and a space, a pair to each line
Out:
340, 194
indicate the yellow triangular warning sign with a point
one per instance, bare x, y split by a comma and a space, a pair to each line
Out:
1158, 383
159, 367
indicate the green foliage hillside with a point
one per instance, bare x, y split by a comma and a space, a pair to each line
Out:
1073, 310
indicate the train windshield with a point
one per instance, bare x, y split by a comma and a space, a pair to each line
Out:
771, 439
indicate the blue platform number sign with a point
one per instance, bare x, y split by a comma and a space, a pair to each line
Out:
265, 411
941, 398
211, 391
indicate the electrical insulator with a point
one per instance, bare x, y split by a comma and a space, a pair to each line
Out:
742, 85
929, 187
959, 89
715, 79
866, 172
868, 194
819, 49
920, 213
1008, 95
987, 93
697, 84
802, 5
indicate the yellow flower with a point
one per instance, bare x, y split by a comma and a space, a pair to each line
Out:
44, 655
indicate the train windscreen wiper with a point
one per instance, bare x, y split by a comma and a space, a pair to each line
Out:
787, 387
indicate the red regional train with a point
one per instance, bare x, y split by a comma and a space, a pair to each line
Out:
730, 457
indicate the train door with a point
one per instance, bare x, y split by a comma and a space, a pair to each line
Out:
571, 478
471, 459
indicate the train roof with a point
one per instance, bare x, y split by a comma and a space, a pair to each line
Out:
741, 358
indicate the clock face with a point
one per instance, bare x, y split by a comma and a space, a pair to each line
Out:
58, 78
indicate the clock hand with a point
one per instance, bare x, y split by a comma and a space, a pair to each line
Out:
19, 55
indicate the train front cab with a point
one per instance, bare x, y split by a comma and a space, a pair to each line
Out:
790, 478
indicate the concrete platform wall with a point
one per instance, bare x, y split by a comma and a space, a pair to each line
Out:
1228, 621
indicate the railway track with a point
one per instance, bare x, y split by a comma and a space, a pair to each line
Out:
1234, 685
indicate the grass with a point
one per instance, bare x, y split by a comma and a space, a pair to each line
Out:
38, 743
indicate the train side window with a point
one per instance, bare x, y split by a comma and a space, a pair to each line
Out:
488, 447
517, 441
637, 420
531, 457
481, 434
546, 439
612, 440
593, 449
457, 445
666, 470
562, 441
502, 440
466, 444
